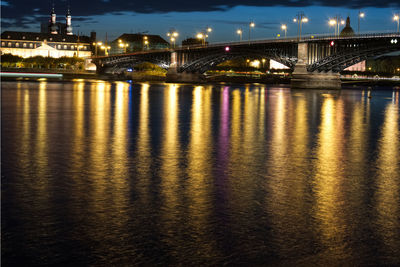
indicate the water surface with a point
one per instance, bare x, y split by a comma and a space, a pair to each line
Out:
98, 173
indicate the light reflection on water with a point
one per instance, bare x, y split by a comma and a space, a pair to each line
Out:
113, 174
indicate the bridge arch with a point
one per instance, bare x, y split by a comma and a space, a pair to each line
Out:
205, 62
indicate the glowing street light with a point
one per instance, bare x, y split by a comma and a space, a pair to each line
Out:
300, 19
360, 16
251, 25
240, 33
284, 27
203, 35
397, 18
173, 36
105, 48
145, 42
123, 45
95, 45
337, 21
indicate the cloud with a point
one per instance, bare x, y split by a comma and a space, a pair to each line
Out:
21, 9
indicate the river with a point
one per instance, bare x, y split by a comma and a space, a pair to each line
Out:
101, 174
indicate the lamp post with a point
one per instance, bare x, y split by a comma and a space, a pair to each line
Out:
397, 18
77, 49
203, 35
336, 21
105, 48
284, 27
251, 25
173, 35
300, 18
123, 45
95, 47
360, 15
240, 33
145, 42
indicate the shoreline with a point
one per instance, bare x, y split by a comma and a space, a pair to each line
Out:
70, 75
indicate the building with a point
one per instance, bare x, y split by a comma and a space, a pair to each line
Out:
193, 41
137, 42
30, 44
56, 42
347, 31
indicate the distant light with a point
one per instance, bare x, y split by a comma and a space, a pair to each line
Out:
332, 22
332, 43
396, 17
283, 27
362, 15
227, 49
342, 22
252, 24
304, 20
294, 20
129, 70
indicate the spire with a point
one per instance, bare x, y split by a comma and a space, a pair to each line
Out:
348, 22
53, 26
68, 22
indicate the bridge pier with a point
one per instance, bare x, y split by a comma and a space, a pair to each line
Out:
173, 76
303, 79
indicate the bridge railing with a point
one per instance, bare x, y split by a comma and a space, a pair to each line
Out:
290, 39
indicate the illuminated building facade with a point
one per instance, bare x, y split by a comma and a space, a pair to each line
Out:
137, 42
30, 44
54, 40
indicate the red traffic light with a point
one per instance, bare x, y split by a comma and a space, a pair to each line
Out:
332, 43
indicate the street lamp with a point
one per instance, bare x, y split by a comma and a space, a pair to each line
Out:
263, 62
240, 32
95, 46
173, 35
122, 45
284, 27
336, 21
105, 48
360, 15
397, 18
300, 19
251, 25
145, 42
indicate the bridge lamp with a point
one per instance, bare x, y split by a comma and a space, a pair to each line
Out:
251, 25
240, 34
332, 43
209, 29
397, 18
360, 15
304, 20
284, 27
227, 48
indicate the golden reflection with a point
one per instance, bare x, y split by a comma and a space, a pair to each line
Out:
200, 169
329, 178
388, 182
42, 140
143, 157
170, 169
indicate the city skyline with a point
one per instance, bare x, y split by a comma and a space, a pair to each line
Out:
192, 19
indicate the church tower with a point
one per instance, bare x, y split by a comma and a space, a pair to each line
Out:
53, 26
68, 22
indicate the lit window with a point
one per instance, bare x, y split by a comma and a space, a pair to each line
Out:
51, 39
9, 44
24, 45
8, 36
72, 47
23, 37
37, 38
3, 43
17, 45
65, 46
59, 46
85, 48
31, 45
64, 39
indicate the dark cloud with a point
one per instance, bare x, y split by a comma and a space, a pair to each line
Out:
20, 9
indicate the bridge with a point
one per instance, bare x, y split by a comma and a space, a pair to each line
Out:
315, 61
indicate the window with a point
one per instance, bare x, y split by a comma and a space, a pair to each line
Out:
85, 48
37, 38
51, 39
9, 44
17, 45
8, 36
30, 45
23, 37
72, 47
58, 46
65, 46
24, 45
3, 44
63, 39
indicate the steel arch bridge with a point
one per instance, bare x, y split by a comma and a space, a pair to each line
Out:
323, 54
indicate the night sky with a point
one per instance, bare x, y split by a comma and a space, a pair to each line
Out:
115, 17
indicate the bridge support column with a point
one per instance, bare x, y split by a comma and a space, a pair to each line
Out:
177, 77
302, 79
